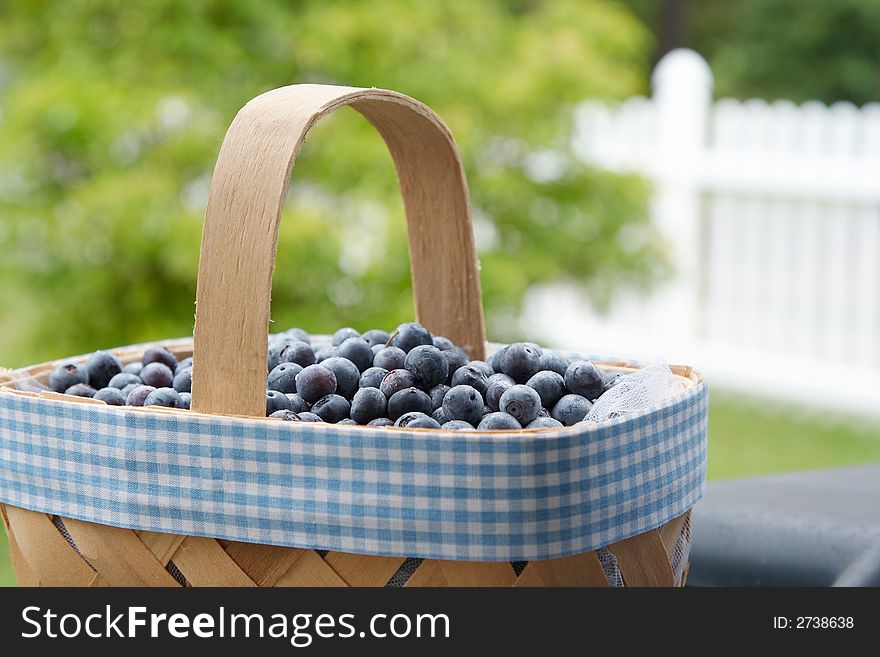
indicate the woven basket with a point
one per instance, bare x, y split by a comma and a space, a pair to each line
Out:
94, 495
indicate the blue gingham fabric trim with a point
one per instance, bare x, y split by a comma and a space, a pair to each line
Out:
429, 494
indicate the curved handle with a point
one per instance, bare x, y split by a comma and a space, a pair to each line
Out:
240, 234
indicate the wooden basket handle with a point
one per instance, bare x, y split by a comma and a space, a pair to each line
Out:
240, 234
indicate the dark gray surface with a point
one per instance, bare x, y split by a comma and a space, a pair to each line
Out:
802, 529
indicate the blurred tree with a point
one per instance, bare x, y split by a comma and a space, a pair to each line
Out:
111, 115
795, 49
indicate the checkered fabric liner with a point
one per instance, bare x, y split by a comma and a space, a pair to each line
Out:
424, 494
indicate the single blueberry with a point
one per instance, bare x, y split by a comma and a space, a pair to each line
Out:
381, 422
331, 408
67, 375
612, 378
186, 363
457, 425
112, 396
397, 380
496, 385
126, 391
308, 416
520, 361
497, 422
376, 337
344, 334
544, 423
185, 400
408, 400
157, 374
483, 366
296, 333
549, 385
159, 355
428, 365
286, 415
411, 334
348, 376
372, 377
357, 351
283, 377
440, 415
416, 420
137, 396
81, 390
346, 420
585, 379
455, 359
297, 352
100, 367
167, 397
314, 382
323, 354
443, 344
183, 380
571, 409
124, 379
297, 403
437, 394
389, 358
471, 376
554, 361
277, 401
368, 404
463, 403
521, 402
133, 368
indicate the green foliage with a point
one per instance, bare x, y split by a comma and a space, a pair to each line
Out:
111, 115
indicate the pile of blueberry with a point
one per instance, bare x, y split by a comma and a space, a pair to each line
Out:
408, 378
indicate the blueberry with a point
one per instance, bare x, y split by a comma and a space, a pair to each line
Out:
357, 351
496, 386
296, 333
381, 422
167, 397
395, 381
307, 416
185, 400
133, 368
498, 421
277, 401
457, 425
347, 420
137, 396
183, 380
463, 403
411, 335
428, 365
372, 377
112, 396
344, 334
455, 359
123, 379
81, 390
520, 361
443, 344
549, 385
67, 375
416, 420
297, 352
585, 379
376, 348
297, 403
483, 366
323, 354
471, 376
437, 394
376, 337
554, 361
440, 415
612, 378
314, 382
571, 409
544, 423
408, 400
331, 408
157, 374
390, 358
284, 414
348, 376
159, 355
100, 367
368, 404
186, 363
521, 402
126, 391
283, 377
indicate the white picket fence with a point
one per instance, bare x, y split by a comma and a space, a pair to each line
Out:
771, 214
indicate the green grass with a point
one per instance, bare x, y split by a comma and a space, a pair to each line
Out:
744, 441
